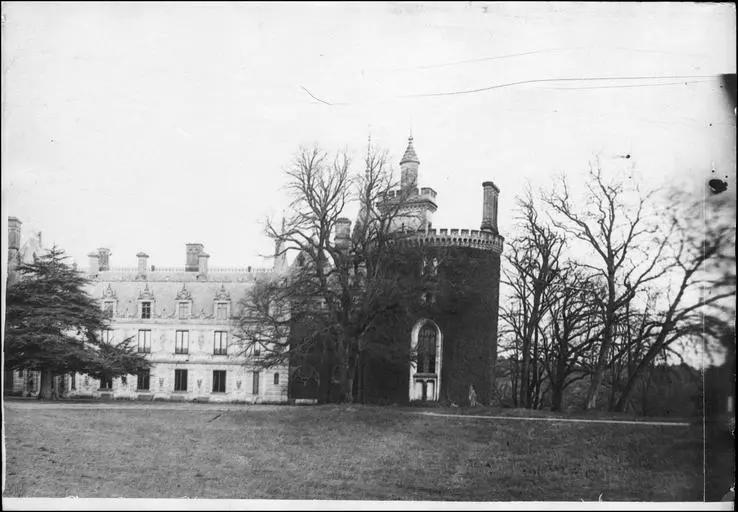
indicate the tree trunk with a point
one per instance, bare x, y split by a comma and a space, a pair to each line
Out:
46, 389
524, 377
599, 371
557, 396
345, 375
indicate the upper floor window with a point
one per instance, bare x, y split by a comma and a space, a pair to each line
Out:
144, 341
220, 347
146, 309
109, 308
182, 342
276, 378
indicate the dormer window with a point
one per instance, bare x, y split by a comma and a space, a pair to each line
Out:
221, 310
184, 303
183, 309
146, 303
222, 304
109, 302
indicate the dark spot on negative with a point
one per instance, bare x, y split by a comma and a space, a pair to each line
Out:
717, 186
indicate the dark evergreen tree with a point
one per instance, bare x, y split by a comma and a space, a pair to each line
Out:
53, 326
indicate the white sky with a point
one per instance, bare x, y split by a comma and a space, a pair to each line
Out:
140, 126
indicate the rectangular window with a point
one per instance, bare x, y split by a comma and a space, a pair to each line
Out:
106, 383
142, 383
182, 342
221, 311
144, 341
108, 309
184, 310
255, 384
220, 343
146, 310
73, 381
276, 379
219, 381
180, 380
257, 350
124, 379
106, 335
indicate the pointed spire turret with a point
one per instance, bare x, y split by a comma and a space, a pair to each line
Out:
410, 155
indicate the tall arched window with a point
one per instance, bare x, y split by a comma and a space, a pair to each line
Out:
427, 349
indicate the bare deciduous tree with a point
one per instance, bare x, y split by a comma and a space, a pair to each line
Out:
340, 285
627, 243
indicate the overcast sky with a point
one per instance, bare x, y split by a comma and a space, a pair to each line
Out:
140, 126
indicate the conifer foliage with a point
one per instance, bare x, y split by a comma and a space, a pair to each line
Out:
54, 326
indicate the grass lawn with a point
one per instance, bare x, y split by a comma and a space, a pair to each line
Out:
340, 452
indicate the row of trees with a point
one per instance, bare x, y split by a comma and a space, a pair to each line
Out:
604, 287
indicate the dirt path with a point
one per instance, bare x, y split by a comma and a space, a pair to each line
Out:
569, 420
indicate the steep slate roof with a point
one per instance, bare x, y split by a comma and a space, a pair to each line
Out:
410, 155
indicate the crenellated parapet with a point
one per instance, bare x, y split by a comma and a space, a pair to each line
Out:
476, 239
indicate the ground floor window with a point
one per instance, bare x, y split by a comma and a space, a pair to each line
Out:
73, 381
180, 380
255, 384
106, 383
219, 381
142, 383
276, 378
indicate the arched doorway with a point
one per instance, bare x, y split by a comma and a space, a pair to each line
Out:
425, 368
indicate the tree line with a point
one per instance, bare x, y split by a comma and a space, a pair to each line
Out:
605, 285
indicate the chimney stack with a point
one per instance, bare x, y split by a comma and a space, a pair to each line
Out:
104, 258
143, 260
193, 251
489, 207
343, 233
14, 233
202, 265
93, 268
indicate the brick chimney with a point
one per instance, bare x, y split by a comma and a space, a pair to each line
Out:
191, 261
489, 207
93, 267
202, 265
104, 258
143, 260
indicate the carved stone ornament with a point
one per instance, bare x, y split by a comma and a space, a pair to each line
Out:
184, 293
146, 294
222, 294
109, 294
